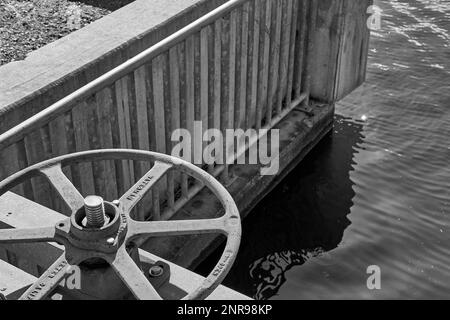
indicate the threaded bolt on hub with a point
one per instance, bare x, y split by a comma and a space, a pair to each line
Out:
95, 211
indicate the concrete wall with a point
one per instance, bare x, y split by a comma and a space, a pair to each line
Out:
341, 46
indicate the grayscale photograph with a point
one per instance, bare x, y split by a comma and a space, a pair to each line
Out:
244, 152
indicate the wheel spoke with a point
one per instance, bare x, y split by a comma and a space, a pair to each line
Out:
44, 234
176, 227
132, 276
138, 191
67, 191
48, 281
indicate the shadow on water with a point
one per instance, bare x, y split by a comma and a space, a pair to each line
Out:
109, 5
303, 217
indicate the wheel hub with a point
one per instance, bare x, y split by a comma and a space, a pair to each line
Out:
83, 241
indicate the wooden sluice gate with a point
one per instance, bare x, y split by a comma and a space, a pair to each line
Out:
258, 65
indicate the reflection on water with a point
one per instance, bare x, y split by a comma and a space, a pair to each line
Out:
385, 169
303, 217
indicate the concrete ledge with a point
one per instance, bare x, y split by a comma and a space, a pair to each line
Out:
57, 69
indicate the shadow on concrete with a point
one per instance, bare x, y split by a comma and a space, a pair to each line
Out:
303, 217
111, 5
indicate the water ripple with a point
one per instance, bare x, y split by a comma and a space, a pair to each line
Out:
375, 193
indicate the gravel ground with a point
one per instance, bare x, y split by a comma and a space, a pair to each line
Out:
26, 25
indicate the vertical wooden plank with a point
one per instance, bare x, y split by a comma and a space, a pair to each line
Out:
217, 72
20, 155
98, 167
311, 31
182, 68
154, 198
197, 139
47, 141
190, 86
134, 134
244, 63
36, 152
104, 103
217, 79
191, 83
300, 48
72, 147
193, 51
204, 77
250, 60
156, 204
150, 106
80, 117
127, 90
124, 127
211, 82
292, 52
93, 123
115, 135
160, 122
225, 87
108, 115
237, 69
10, 163
251, 115
231, 88
175, 108
158, 95
274, 58
285, 49
58, 136
232, 68
140, 75
59, 146
167, 94
264, 64
204, 83
141, 109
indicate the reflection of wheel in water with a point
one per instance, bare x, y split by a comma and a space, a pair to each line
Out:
268, 273
320, 257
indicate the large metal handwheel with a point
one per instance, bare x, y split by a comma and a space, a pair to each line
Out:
109, 242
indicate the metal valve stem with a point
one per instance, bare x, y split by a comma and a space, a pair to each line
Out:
95, 211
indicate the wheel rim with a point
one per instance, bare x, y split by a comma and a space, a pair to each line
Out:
131, 230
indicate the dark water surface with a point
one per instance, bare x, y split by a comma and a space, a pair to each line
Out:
376, 191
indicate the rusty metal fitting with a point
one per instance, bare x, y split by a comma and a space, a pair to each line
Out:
156, 271
95, 211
